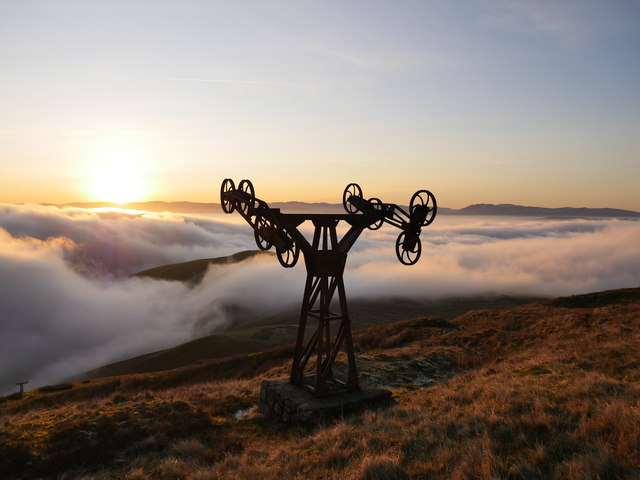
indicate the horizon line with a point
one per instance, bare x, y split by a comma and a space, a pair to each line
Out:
124, 205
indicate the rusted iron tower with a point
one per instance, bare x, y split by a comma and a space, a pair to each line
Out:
325, 257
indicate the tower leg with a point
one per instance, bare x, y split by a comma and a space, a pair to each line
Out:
297, 368
319, 292
352, 377
325, 266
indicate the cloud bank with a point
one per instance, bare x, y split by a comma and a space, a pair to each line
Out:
67, 304
542, 258
119, 242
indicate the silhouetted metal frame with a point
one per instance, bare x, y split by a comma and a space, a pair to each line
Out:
325, 259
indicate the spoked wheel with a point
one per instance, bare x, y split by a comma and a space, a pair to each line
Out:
377, 204
225, 201
353, 189
289, 251
423, 207
246, 187
408, 248
263, 233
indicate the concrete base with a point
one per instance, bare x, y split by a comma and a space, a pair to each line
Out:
287, 403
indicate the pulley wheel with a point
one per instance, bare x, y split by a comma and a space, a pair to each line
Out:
353, 189
408, 249
226, 188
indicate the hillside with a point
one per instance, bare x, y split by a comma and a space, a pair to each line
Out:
193, 271
550, 389
262, 333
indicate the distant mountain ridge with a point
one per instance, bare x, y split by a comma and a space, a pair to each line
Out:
504, 209
519, 210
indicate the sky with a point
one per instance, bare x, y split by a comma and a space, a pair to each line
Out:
479, 101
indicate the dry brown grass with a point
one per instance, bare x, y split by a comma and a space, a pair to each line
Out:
548, 390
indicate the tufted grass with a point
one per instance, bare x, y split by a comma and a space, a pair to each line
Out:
546, 390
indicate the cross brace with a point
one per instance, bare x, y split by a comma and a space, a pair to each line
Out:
320, 287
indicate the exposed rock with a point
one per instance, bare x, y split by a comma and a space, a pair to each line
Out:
287, 403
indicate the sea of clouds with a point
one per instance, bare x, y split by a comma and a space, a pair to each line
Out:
67, 303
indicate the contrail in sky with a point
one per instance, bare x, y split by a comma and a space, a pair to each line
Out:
259, 82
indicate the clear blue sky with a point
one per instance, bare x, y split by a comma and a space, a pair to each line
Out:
480, 101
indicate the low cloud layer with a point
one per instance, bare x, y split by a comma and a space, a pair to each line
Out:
67, 304
542, 258
116, 243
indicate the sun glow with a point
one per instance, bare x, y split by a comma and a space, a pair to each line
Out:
117, 177
117, 183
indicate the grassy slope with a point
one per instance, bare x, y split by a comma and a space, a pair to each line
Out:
545, 390
279, 330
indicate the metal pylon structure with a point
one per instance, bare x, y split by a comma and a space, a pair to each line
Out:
325, 257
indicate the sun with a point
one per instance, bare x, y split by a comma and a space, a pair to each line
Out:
117, 183
116, 173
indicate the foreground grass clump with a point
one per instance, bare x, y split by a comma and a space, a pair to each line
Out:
547, 390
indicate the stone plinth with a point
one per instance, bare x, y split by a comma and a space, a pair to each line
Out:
287, 403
